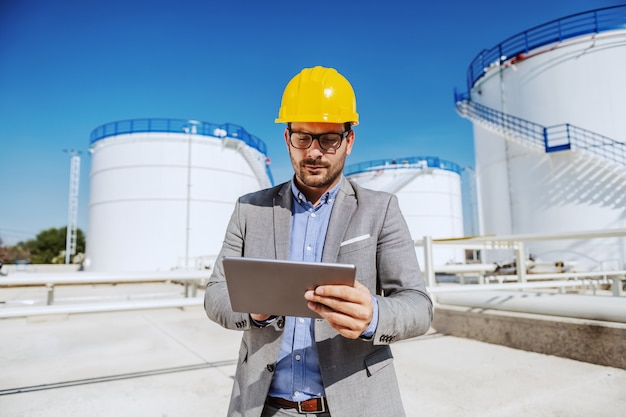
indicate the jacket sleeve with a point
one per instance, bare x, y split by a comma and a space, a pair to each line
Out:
216, 301
405, 308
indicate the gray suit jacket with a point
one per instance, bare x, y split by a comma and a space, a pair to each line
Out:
366, 229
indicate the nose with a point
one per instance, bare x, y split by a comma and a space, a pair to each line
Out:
315, 149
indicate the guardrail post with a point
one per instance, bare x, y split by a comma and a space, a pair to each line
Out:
191, 287
50, 297
616, 286
429, 269
520, 261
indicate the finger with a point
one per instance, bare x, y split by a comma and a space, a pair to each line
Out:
359, 286
341, 321
357, 304
343, 292
335, 304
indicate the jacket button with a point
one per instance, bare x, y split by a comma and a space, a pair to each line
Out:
280, 323
270, 367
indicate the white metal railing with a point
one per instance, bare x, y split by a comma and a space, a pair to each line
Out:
190, 279
523, 280
99, 307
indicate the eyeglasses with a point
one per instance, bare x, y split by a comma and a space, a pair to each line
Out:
327, 141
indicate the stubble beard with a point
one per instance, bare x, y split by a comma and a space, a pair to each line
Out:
327, 176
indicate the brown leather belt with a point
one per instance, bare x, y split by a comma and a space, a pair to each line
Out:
314, 405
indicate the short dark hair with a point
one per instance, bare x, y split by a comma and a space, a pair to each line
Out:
347, 126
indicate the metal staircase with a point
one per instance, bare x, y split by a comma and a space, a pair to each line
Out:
556, 138
260, 169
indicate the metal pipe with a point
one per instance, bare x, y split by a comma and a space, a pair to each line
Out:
605, 308
440, 289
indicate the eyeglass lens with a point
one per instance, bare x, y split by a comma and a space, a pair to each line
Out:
327, 141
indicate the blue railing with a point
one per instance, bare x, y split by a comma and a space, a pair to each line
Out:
531, 131
575, 137
516, 46
429, 161
226, 130
552, 138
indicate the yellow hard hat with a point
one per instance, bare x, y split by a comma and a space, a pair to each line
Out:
318, 95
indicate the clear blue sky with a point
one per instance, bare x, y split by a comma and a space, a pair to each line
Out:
67, 67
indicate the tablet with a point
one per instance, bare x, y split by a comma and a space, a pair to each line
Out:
270, 286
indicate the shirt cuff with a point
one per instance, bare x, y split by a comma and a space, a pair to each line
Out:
371, 329
263, 323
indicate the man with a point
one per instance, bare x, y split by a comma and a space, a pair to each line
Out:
341, 364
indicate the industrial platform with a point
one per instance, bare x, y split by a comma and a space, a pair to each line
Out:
175, 362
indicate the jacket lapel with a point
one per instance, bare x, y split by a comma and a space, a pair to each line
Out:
282, 221
343, 209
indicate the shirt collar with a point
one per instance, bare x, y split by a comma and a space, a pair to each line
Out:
328, 197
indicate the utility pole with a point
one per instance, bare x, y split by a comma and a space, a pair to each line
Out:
190, 130
475, 223
72, 206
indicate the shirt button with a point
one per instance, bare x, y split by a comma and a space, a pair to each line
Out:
296, 393
301, 320
312, 214
298, 357
308, 248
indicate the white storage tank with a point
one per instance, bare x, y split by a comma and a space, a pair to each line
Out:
429, 195
549, 129
162, 191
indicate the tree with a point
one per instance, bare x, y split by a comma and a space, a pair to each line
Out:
49, 244
11, 254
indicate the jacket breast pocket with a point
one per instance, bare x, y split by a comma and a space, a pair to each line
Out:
356, 243
378, 360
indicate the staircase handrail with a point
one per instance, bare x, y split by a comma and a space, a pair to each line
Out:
262, 172
553, 138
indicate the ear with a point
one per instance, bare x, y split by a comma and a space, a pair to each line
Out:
286, 135
349, 142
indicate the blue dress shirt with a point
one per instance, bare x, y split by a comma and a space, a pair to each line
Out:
297, 375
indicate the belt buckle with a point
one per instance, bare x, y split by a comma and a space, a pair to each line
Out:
320, 401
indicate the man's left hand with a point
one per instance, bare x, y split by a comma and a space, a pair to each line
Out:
349, 310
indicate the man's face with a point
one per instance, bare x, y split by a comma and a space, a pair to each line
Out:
314, 167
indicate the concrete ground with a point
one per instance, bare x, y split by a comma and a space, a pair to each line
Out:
176, 363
